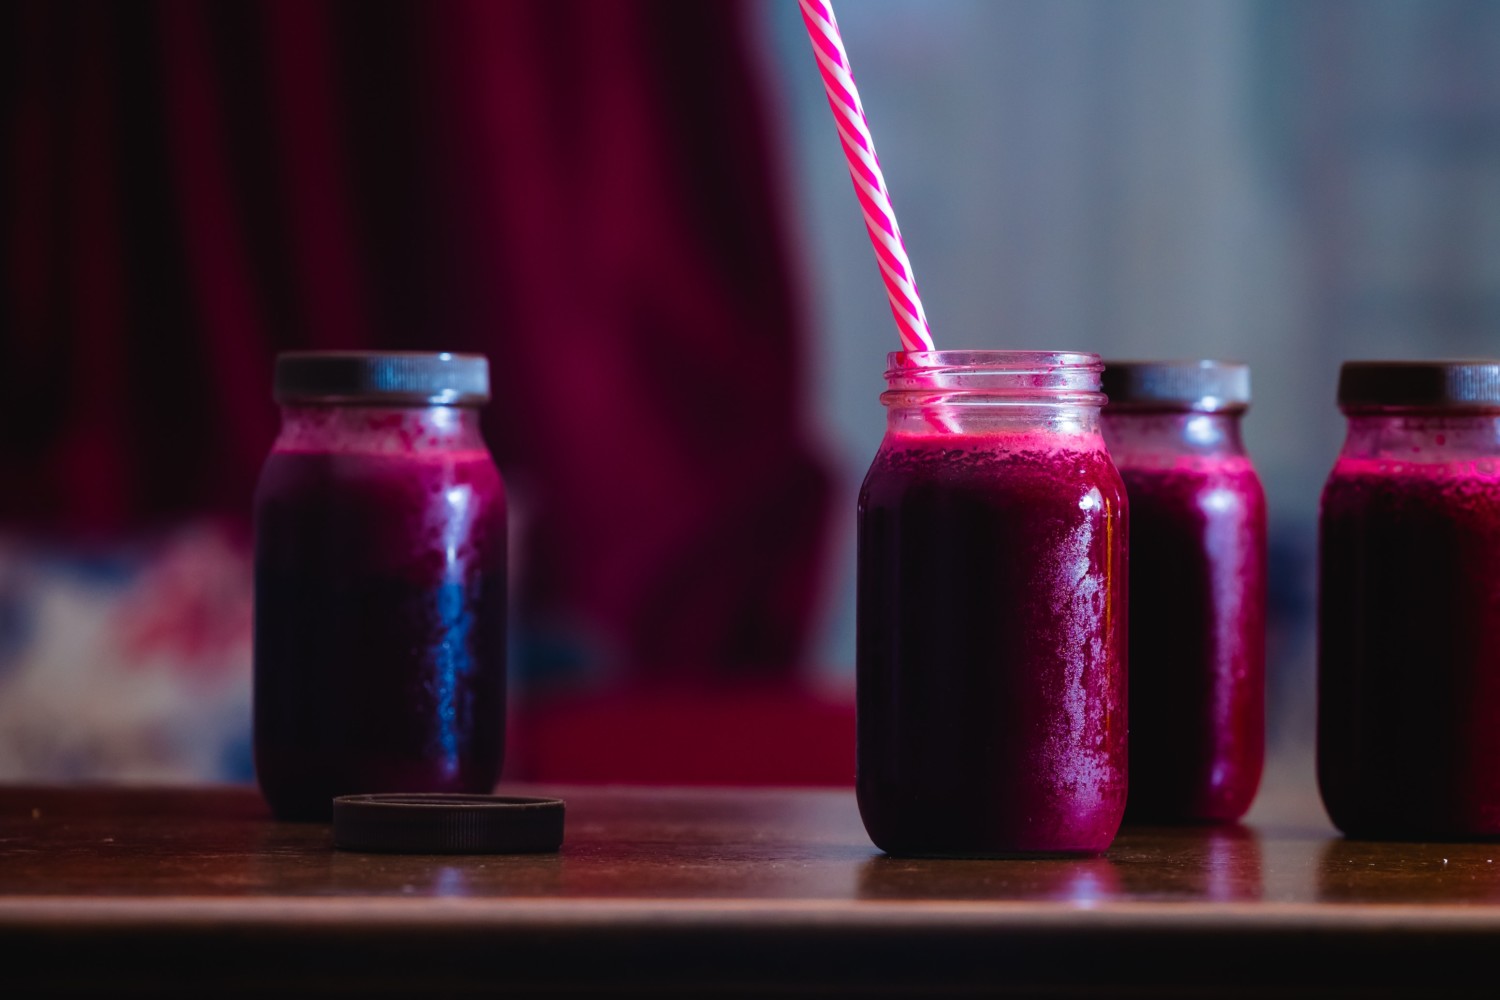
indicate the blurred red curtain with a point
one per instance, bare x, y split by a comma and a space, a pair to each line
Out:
581, 190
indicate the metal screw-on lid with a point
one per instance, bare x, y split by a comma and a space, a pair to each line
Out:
409, 378
1449, 385
439, 823
1203, 386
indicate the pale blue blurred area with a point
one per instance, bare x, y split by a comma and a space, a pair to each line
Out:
1286, 182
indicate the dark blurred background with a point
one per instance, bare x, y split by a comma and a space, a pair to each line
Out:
639, 210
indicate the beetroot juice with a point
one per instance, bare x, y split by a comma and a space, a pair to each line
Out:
380, 600
1197, 588
1409, 605
991, 602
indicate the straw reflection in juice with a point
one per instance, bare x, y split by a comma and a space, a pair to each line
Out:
991, 640
380, 625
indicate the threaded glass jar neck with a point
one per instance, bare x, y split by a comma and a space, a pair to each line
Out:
993, 392
992, 378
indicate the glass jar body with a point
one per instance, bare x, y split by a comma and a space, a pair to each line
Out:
1197, 614
991, 630
380, 606
1409, 627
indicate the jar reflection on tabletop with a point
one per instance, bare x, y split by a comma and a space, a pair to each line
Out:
380, 583
1197, 588
1409, 604
991, 598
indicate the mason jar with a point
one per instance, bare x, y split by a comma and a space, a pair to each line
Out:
380, 583
1409, 603
991, 610
1197, 588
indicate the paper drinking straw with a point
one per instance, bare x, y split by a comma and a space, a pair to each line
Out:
864, 168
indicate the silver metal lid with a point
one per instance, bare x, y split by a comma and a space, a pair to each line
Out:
1446, 385
1204, 386
399, 378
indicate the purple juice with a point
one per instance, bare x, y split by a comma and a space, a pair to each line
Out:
1197, 637
1409, 648
380, 609
991, 646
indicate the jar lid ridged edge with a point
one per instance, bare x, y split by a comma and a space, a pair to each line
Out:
1203, 385
1437, 384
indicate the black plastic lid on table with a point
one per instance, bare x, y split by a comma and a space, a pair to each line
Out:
402, 378
1203, 386
1448, 385
447, 824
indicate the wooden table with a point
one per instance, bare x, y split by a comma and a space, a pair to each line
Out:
197, 892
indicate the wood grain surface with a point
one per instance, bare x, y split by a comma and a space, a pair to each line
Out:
678, 891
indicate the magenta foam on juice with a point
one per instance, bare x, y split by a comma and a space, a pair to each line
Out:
1197, 588
380, 583
1409, 604
991, 603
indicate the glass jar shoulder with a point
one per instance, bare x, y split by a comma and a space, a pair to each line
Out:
1014, 465
386, 492
1454, 486
413, 480
414, 451
1208, 484
1414, 464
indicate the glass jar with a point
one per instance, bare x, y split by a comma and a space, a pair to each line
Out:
1197, 588
380, 583
991, 601
1409, 604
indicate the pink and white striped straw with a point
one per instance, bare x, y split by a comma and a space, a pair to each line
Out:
864, 168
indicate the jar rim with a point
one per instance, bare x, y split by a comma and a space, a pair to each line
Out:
925, 378
1007, 362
